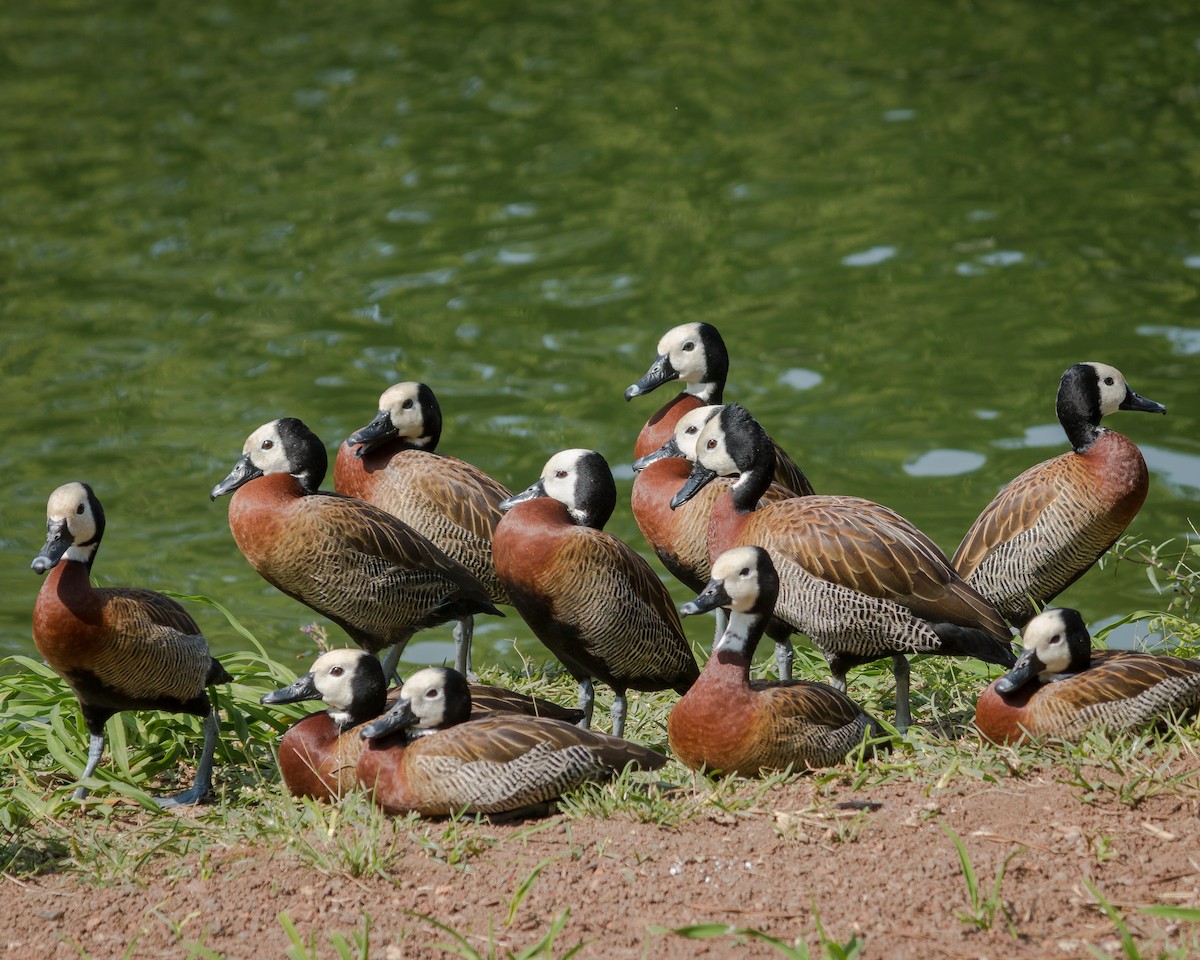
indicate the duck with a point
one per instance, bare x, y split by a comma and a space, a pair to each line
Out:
679, 538
728, 723
429, 754
1060, 686
861, 581
349, 560
1047, 528
592, 600
118, 648
393, 463
696, 354
318, 754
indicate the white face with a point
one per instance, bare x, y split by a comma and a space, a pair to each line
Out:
333, 676
738, 568
712, 451
690, 426
426, 692
1047, 635
70, 503
402, 406
560, 474
265, 448
685, 349
1112, 387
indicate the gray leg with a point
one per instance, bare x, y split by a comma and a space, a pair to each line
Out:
837, 680
464, 630
783, 658
95, 752
392, 659
587, 699
900, 669
203, 783
617, 714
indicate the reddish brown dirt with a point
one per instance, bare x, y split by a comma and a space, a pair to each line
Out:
887, 874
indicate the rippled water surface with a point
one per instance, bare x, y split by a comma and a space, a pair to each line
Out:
907, 221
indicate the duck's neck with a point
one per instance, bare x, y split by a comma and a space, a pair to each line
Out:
741, 636
706, 393
1081, 426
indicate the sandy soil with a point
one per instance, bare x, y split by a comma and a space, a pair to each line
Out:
876, 864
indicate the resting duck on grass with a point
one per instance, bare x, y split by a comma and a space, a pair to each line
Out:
428, 754
1060, 686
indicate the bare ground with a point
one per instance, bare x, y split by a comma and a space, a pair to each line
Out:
875, 864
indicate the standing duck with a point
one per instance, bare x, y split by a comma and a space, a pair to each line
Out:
392, 463
1047, 527
350, 561
1060, 686
729, 723
860, 580
118, 648
695, 353
318, 754
679, 537
592, 600
428, 754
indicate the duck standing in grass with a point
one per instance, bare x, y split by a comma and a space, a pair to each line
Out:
392, 462
856, 577
728, 723
679, 536
696, 354
371, 574
427, 754
1060, 686
118, 648
591, 599
1046, 528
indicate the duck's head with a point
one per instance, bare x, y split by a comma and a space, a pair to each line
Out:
693, 353
581, 481
683, 438
430, 700
1056, 642
731, 444
350, 682
74, 526
407, 411
281, 446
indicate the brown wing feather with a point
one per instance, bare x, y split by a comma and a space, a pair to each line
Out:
154, 648
1121, 675
810, 702
1016, 508
789, 475
368, 531
503, 738
467, 496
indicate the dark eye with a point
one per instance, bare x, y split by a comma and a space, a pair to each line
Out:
79, 509
690, 345
336, 671
1108, 381
1057, 638
431, 694
268, 444
406, 405
560, 474
690, 430
711, 445
745, 571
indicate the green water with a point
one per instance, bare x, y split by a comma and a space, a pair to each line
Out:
907, 220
